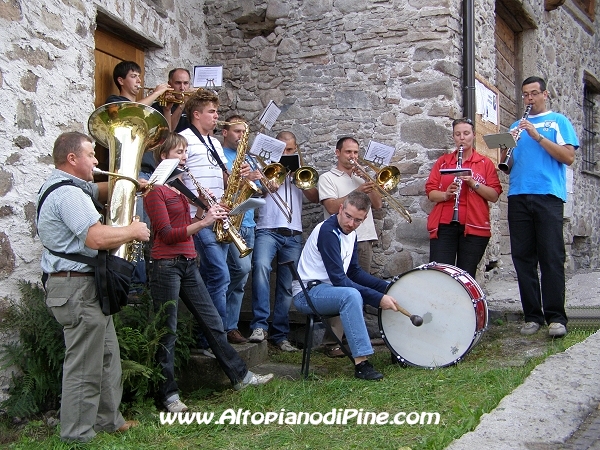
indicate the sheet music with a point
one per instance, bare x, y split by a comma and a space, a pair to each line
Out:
379, 154
269, 115
268, 148
208, 76
163, 171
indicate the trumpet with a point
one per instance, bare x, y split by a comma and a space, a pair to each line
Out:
506, 165
305, 177
271, 173
386, 179
170, 96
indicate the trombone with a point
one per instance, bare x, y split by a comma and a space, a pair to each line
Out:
271, 173
305, 177
386, 179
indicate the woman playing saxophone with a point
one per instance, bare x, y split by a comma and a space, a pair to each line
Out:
459, 224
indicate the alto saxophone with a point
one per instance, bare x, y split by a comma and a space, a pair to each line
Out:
238, 189
232, 232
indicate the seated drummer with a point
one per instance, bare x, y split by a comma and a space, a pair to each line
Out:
337, 284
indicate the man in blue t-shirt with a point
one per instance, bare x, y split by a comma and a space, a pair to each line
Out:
537, 192
239, 268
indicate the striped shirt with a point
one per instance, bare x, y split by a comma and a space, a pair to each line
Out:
65, 218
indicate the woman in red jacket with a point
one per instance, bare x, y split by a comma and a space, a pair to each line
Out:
463, 242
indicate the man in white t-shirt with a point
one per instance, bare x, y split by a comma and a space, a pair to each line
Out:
334, 186
276, 236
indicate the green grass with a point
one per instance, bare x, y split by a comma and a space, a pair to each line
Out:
460, 394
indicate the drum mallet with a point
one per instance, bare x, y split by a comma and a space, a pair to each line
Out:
417, 321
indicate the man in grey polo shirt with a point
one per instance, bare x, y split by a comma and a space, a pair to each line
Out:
69, 223
334, 186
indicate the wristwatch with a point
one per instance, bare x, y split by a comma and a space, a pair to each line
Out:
476, 186
540, 138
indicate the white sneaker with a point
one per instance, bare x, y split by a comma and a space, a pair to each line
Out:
557, 330
286, 346
530, 328
253, 379
258, 335
176, 406
208, 352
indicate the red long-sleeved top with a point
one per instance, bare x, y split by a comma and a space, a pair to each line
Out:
169, 214
473, 210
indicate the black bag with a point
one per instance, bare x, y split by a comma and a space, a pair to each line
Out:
113, 278
112, 274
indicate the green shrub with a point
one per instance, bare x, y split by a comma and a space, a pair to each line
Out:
39, 352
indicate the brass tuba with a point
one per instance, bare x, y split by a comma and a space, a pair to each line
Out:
127, 129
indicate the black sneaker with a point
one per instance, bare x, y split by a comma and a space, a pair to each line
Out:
365, 371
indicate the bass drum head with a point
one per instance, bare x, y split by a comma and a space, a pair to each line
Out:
449, 319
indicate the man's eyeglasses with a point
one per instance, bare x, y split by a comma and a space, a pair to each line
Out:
462, 120
349, 217
530, 94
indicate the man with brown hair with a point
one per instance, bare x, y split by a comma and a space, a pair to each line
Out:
206, 162
68, 222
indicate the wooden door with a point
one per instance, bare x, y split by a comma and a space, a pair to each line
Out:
111, 50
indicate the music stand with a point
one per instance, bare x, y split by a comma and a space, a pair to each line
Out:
502, 141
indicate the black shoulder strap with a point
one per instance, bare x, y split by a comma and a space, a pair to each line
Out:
72, 256
211, 148
99, 206
49, 190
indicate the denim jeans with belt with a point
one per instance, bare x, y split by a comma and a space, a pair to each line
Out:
348, 303
535, 222
179, 278
213, 268
267, 244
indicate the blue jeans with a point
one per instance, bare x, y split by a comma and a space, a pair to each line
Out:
179, 277
348, 303
453, 247
535, 223
239, 270
213, 267
267, 244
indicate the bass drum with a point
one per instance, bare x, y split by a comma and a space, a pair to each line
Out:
454, 312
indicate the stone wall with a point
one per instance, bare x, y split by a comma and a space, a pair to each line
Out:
387, 72
47, 87
390, 71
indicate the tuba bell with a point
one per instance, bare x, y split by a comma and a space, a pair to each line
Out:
127, 129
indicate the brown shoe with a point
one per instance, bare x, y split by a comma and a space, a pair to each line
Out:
334, 352
235, 337
127, 425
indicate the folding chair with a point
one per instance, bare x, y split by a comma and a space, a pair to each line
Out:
311, 319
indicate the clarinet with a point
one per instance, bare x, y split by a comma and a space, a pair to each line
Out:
506, 165
458, 181
228, 227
